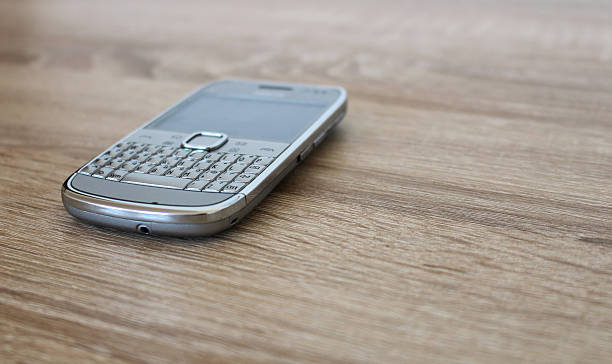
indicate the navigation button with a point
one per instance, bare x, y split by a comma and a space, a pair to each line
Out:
205, 140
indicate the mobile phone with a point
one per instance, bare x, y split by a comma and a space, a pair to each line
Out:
200, 166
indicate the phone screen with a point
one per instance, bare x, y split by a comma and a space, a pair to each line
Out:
242, 117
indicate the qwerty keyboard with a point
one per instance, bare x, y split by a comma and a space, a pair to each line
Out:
177, 168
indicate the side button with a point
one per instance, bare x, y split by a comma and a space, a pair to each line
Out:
305, 153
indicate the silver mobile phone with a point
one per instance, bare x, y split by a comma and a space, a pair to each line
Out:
203, 164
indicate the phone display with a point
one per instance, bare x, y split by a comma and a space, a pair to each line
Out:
237, 117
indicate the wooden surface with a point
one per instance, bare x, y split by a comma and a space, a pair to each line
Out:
461, 213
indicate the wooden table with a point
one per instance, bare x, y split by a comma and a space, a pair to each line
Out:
461, 213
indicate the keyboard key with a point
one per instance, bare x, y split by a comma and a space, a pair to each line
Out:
116, 150
142, 156
214, 156
193, 173
233, 187
172, 161
156, 158
197, 185
117, 162
227, 176
159, 170
117, 175
215, 186
151, 148
247, 159
204, 164
245, 177
137, 147
103, 160
88, 169
145, 168
237, 167
198, 154
187, 162
230, 157
209, 175
103, 172
254, 168
128, 154
176, 171
157, 181
263, 161
220, 166
166, 151
131, 165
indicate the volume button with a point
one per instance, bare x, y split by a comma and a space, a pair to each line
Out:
305, 152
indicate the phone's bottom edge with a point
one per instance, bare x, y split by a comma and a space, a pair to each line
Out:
154, 228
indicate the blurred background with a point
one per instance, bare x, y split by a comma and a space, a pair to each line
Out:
422, 46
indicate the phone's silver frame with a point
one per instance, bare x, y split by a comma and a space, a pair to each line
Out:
203, 220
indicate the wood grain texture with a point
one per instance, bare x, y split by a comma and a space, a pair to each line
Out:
461, 213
